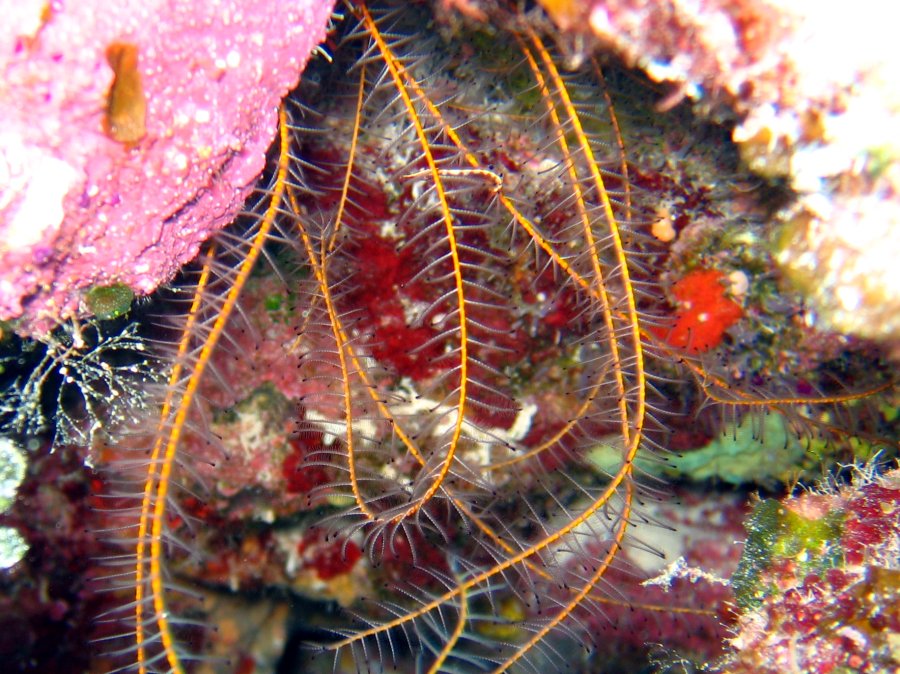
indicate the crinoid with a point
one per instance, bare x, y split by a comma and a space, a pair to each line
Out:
397, 369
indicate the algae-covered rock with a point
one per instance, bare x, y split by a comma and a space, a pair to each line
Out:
776, 532
819, 582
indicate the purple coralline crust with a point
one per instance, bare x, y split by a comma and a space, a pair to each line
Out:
78, 208
48, 599
845, 617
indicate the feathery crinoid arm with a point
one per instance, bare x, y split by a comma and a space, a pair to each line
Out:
434, 273
143, 475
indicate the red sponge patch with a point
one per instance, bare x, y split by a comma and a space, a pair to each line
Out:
705, 312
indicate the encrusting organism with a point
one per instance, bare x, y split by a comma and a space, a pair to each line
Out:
817, 585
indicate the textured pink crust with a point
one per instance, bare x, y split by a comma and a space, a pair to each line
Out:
79, 209
742, 52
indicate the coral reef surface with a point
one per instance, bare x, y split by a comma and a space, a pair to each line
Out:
814, 91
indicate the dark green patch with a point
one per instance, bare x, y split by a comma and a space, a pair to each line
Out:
111, 301
274, 302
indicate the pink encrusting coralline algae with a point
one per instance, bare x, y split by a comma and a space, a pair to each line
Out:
129, 133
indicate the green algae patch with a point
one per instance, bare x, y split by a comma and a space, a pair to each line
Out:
606, 456
748, 454
777, 534
107, 302
763, 455
274, 302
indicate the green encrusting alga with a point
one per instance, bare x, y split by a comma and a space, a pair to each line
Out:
775, 532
